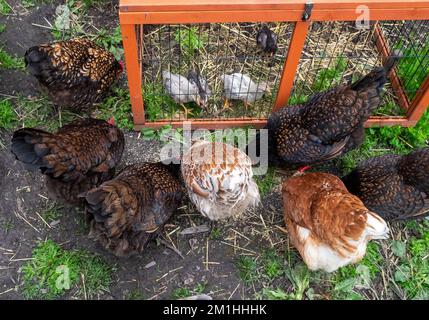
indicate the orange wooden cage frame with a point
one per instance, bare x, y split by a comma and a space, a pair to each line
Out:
134, 13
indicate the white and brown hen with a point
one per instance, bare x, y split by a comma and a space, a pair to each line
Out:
219, 180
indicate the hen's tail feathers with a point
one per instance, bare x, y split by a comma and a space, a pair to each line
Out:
112, 206
376, 227
28, 147
378, 76
36, 61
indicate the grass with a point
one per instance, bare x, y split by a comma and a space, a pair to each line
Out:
2, 27
7, 114
4, 7
267, 182
39, 112
10, 62
53, 271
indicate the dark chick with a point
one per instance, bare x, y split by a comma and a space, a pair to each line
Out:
203, 87
394, 186
80, 156
266, 40
76, 73
126, 212
330, 124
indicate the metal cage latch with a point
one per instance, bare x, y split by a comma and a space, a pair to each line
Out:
308, 7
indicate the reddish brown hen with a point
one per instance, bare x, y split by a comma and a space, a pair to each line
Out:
394, 186
80, 156
329, 226
76, 73
329, 124
127, 211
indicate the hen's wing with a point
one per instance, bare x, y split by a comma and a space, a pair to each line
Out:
296, 144
320, 203
385, 190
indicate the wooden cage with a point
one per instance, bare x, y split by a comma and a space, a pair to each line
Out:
401, 18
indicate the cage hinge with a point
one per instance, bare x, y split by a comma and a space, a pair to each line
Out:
307, 11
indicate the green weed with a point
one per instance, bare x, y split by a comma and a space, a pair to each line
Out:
157, 103
189, 40
111, 41
412, 273
247, 268
350, 277
328, 77
118, 106
180, 293
2, 27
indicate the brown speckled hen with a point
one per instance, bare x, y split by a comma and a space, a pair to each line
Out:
126, 212
80, 156
394, 186
330, 124
329, 226
76, 73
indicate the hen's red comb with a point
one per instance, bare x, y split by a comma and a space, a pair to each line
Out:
111, 121
122, 65
303, 169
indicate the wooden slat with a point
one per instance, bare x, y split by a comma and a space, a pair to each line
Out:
213, 124
242, 5
291, 64
420, 102
203, 16
129, 41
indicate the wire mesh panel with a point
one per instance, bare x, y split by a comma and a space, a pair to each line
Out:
412, 38
340, 52
216, 53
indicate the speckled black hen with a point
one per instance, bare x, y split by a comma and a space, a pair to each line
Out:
76, 73
329, 124
80, 156
394, 186
126, 212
